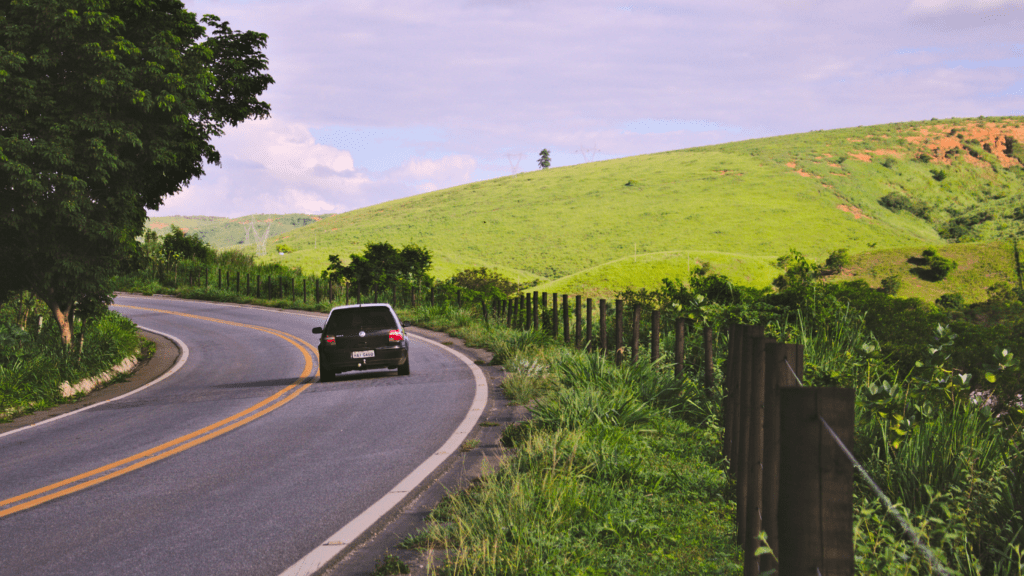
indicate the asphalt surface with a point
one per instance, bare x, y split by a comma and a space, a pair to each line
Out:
257, 491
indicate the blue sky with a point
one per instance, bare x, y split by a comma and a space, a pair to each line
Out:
380, 100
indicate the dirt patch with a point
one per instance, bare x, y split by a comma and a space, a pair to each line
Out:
865, 157
854, 140
857, 214
881, 152
790, 164
157, 225
806, 175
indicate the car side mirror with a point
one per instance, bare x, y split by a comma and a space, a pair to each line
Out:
405, 323
318, 330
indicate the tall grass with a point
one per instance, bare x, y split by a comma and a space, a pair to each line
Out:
33, 363
606, 478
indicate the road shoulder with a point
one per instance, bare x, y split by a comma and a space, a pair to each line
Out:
458, 473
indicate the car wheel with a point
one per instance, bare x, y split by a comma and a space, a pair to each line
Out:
403, 370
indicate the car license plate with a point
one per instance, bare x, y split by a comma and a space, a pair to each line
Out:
363, 354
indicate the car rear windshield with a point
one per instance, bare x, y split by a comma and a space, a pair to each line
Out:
365, 318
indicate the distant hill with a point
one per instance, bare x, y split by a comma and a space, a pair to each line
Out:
602, 226
231, 232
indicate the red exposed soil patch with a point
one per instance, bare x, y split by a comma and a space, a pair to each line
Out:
157, 225
806, 175
938, 141
183, 229
885, 153
834, 165
857, 214
854, 140
790, 164
862, 157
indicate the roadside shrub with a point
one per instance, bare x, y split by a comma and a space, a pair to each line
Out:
895, 202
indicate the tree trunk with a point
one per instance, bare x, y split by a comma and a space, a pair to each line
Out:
64, 317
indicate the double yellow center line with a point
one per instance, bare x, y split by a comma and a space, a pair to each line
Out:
168, 449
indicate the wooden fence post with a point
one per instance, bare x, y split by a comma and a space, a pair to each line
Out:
743, 413
246, 283
755, 456
544, 323
680, 345
815, 482
590, 325
483, 306
565, 317
218, 278
777, 376
579, 320
655, 335
554, 315
602, 328
618, 332
537, 312
316, 299
238, 282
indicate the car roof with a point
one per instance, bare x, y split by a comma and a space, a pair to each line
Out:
367, 305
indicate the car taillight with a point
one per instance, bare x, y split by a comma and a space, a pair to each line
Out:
329, 339
395, 336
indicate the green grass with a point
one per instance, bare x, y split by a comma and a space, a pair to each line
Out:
738, 205
980, 265
617, 472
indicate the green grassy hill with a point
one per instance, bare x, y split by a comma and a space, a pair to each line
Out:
602, 226
229, 232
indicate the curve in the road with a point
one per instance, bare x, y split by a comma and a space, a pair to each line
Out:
110, 471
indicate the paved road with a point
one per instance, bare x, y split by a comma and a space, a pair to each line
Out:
239, 463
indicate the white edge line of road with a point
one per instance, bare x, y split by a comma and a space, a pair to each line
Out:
177, 366
338, 542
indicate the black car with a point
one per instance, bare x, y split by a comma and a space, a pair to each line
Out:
362, 337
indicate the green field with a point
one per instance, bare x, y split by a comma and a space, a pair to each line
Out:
598, 227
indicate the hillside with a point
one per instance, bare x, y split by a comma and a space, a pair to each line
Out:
229, 232
740, 205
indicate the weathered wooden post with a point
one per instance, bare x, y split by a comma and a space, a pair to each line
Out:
554, 315
590, 325
680, 345
815, 482
618, 332
316, 299
544, 321
246, 283
536, 311
755, 456
579, 320
238, 282
743, 413
636, 333
603, 325
565, 317
483, 306
655, 335
778, 360
218, 278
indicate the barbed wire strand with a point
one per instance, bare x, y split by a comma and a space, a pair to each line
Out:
890, 507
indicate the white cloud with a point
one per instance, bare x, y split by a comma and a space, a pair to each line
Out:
941, 7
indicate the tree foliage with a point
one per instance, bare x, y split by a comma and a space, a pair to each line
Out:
545, 159
186, 246
106, 108
381, 266
484, 282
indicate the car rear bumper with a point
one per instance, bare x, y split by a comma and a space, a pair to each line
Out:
341, 360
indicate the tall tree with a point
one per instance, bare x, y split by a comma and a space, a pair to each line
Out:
106, 108
545, 159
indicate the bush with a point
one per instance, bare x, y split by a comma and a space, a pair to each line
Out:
954, 301
891, 285
837, 260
